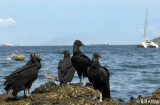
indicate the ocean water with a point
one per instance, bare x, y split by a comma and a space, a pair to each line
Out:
133, 71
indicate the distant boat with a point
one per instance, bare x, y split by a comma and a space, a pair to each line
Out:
106, 43
7, 44
18, 57
146, 43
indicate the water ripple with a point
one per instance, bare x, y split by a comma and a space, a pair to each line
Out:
133, 70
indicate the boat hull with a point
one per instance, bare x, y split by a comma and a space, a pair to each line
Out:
148, 44
17, 57
140, 46
152, 46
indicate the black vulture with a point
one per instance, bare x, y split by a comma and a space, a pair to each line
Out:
80, 61
99, 77
22, 78
65, 69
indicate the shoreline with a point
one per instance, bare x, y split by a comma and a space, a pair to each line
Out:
50, 94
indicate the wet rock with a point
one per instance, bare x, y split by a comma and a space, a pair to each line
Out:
50, 94
148, 100
131, 98
120, 100
156, 93
47, 87
140, 97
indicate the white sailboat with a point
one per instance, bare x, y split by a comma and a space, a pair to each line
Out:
146, 43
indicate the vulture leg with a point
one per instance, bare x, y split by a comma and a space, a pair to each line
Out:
95, 97
100, 100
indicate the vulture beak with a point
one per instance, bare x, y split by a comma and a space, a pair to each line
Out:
40, 58
100, 56
82, 44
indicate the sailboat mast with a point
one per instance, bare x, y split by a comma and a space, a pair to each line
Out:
146, 27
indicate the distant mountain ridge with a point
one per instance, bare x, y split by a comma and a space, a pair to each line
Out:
156, 40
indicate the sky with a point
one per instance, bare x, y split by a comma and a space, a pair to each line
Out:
61, 22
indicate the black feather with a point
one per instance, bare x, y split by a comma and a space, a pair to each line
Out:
23, 77
80, 61
99, 77
65, 69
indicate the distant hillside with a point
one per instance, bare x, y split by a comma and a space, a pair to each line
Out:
156, 40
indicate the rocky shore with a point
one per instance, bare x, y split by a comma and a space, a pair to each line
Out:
154, 99
73, 94
51, 94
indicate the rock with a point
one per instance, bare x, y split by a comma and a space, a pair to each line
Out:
50, 94
156, 93
47, 87
120, 100
140, 97
131, 98
148, 100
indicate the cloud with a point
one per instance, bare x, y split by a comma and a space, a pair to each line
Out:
7, 22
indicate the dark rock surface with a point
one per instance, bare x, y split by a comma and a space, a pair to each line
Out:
149, 100
50, 94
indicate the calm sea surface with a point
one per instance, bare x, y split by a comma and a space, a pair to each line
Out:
134, 71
